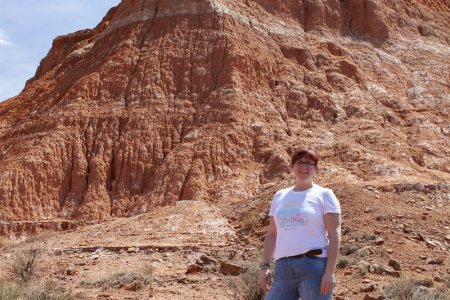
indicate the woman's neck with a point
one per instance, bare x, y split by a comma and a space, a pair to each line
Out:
302, 186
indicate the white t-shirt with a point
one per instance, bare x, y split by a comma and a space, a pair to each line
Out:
299, 218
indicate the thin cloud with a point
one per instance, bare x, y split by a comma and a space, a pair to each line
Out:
27, 28
4, 39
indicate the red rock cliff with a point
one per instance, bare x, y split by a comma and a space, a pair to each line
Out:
203, 99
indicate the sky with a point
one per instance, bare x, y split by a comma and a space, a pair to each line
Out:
27, 29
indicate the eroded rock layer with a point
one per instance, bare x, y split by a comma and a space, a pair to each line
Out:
204, 99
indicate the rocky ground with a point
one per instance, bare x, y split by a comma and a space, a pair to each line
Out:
178, 252
200, 250
389, 232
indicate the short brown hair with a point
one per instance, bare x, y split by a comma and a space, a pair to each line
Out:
305, 152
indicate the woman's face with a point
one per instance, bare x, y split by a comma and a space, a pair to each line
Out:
304, 170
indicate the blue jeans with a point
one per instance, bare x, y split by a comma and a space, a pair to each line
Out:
298, 277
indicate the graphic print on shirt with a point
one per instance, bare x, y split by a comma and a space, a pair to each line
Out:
291, 215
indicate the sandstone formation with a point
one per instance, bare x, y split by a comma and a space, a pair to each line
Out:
205, 99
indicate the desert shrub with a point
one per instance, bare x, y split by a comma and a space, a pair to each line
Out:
369, 236
363, 252
414, 289
246, 285
423, 293
345, 230
362, 270
23, 265
126, 280
342, 263
349, 248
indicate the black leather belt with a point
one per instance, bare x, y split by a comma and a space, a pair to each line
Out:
310, 253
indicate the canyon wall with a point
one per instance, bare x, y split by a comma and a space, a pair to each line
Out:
205, 99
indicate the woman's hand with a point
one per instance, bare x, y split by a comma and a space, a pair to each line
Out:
327, 283
265, 279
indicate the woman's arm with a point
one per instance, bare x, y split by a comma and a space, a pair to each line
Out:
333, 227
265, 279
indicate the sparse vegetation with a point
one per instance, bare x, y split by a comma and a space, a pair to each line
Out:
369, 237
10, 291
246, 286
3, 241
47, 290
345, 230
415, 289
129, 281
363, 252
362, 269
22, 269
349, 248
342, 263
148, 269
39, 237
23, 265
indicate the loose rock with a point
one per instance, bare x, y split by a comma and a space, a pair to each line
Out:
229, 268
193, 269
394, 264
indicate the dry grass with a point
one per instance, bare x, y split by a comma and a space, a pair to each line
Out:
343, 262
4, 241
246, 286
126, 280
47, 290
10, 291
362, 269
363, 252
147, 269
39, 237
21, 270
414, 289
23, 265
369, 236
349, 248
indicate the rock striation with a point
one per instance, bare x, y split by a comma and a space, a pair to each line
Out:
205, 99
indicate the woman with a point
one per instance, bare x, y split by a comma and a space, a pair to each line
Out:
303, 236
